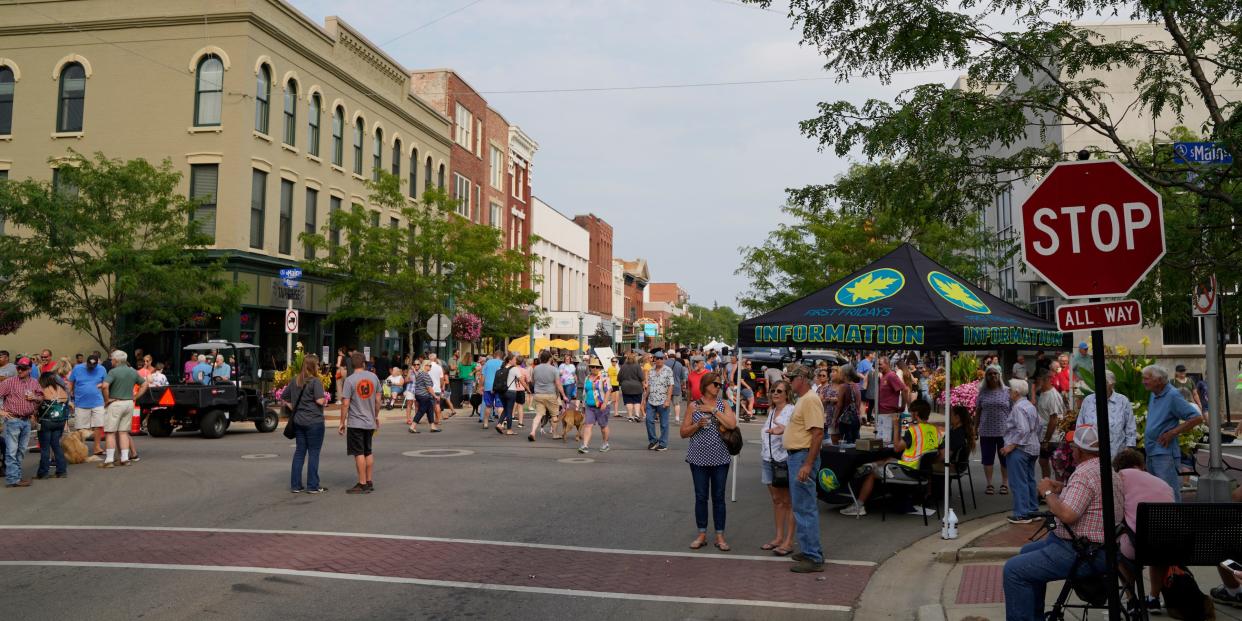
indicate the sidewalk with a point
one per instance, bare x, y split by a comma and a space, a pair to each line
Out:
961, 579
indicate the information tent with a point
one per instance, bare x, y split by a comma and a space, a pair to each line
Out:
904, 301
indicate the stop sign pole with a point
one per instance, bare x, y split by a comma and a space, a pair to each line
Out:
1093, 229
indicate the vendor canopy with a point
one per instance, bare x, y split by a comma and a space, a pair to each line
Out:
903, 300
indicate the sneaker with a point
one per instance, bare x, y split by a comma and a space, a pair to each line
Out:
1020, 519
107, 464
584, 450
296, 491
798, 557
23, 483
855, 509
41, 476
660, 449
135, 458
921, 511
61, 475
677, 420
605, 448
370, 486
317, 490
358, 488
807, 566
652, 446
1219, 593
1153, 603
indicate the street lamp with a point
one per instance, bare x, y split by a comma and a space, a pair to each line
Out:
581, 316
531, 311
448, 270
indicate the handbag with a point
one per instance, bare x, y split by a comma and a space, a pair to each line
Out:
290, 429
54, 413
780, 469
732, 437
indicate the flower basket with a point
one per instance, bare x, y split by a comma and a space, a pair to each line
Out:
467, 327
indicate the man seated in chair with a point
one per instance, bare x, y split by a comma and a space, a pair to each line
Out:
921, 439
1076, 504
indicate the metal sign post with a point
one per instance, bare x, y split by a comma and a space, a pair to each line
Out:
289, 278
1215, 487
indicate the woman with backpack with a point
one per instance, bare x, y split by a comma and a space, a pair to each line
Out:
847, 413
508, 378
53, 413
709, 458
305, 398
596, 395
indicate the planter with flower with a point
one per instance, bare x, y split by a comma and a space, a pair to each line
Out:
281, 379
965, 388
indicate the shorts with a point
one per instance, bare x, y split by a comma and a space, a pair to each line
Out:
358, 441
676, 400
991, 448
595, 416
119, 417
765, 472
492, 400
748, 394
546, 405
629, 399
571, 391
88, 418
519, 397
1046, 453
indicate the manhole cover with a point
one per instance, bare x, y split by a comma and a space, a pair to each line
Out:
576, 460
438, 453
260, 456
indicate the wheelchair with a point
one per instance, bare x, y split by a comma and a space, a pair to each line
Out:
1092, 590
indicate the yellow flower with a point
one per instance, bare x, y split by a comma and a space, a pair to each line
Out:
1145, 342
1122, 351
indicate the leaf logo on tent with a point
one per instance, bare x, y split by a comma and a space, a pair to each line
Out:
871, 287
956, 293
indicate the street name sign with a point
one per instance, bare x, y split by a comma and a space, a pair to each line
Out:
1201, 153
292, 293
290, 276
291, 321
1092, 229
1099, 315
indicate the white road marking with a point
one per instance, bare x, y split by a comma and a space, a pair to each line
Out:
444, 452
435, 583
514, 544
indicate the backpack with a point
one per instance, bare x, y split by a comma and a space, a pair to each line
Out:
1183, 599
501, 382
53, 413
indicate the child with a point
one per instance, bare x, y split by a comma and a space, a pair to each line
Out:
157, 377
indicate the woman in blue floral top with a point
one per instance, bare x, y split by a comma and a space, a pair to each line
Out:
709, 457
991, 412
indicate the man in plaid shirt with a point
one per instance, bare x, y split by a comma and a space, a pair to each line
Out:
1077, 505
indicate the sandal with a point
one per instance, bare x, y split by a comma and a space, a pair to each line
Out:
509, 433
722, 546
990, 491
1004, 490
767, 546
413, 430
782, 552
698, 543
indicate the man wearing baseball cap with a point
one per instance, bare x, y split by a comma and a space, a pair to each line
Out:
1077, 505
20, 397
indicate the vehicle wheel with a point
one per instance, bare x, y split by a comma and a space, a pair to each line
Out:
159, 426
269, 422
212, 424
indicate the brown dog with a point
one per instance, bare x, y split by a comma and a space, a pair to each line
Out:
571, 418
74, 447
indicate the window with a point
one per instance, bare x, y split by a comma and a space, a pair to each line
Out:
4, 175
440, 178
355, 241
465, 128
61, 186
427, 173
494, 216
375, 218
478, 139
208, 91
204, 180
72, 98
359, 130
498, 169
517, 182
312, 134
377, 154
258, 207
334, 229
396, 158
286, 217
338, 136
312, 214
461, 194
262, 99
414, 173
291, 112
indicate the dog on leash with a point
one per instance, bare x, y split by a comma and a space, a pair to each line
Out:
571, 418
74, 446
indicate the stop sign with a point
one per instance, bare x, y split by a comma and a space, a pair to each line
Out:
1092, 229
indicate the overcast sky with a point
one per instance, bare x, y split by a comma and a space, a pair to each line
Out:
685, 176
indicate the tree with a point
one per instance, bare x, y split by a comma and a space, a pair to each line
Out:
701, 325
601, 338
1024, 83
838, 228
109, 250
397, 277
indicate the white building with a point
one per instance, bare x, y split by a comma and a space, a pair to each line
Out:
618, 297
561, 261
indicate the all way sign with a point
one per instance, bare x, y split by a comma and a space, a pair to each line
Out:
1099, 315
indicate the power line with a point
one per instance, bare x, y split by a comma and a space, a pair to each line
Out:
446, 15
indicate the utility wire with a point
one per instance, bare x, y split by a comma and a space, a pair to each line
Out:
446, 15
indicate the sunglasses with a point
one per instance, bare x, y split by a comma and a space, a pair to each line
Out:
778, 391
717, 384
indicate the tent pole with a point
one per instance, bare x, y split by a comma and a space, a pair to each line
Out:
948, 429
740, 361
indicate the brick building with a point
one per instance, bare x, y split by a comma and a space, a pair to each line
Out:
636, 279
599, 270
453, 97
664, 300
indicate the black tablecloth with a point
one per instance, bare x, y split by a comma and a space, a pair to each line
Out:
844, 463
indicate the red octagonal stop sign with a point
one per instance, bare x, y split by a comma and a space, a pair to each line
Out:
1092, 229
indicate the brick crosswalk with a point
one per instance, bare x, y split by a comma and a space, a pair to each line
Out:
572, 571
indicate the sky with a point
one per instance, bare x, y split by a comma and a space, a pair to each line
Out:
685, 176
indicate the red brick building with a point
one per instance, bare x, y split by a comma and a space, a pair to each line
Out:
599, 271
636, 279
448, 93
663, 301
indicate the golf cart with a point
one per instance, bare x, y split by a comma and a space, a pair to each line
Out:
211, 408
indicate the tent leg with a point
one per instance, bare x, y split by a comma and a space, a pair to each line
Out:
946, 532
733, 473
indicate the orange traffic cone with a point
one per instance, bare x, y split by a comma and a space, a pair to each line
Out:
135, 429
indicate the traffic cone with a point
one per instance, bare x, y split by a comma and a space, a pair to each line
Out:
135, 429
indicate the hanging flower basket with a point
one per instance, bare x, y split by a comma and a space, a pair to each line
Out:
467, 327
10, 320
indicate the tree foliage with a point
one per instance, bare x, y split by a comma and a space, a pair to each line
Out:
399, 276
701, 325
110, 251
835, 229
1037, 78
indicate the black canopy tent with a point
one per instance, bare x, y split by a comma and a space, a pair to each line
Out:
903, 300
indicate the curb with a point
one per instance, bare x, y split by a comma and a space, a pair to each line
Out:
973, 555
931, 612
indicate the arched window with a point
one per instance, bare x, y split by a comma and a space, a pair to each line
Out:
6, 101
208, 91
396, 158
338, 136
377, 154
72, 98
440, 177
359, 131
291, 112
414, 173
262, 99
427, 173
312, 135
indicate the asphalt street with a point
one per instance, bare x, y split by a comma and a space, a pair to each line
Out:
481, 487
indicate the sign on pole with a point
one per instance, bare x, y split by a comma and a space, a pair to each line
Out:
1201, 153
1092, 229
366, 353
291, 321
327, 351
1099, 315
1206, 302
439, 326
290, 275
292, 293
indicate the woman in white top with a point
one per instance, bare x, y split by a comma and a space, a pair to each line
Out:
773, 450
